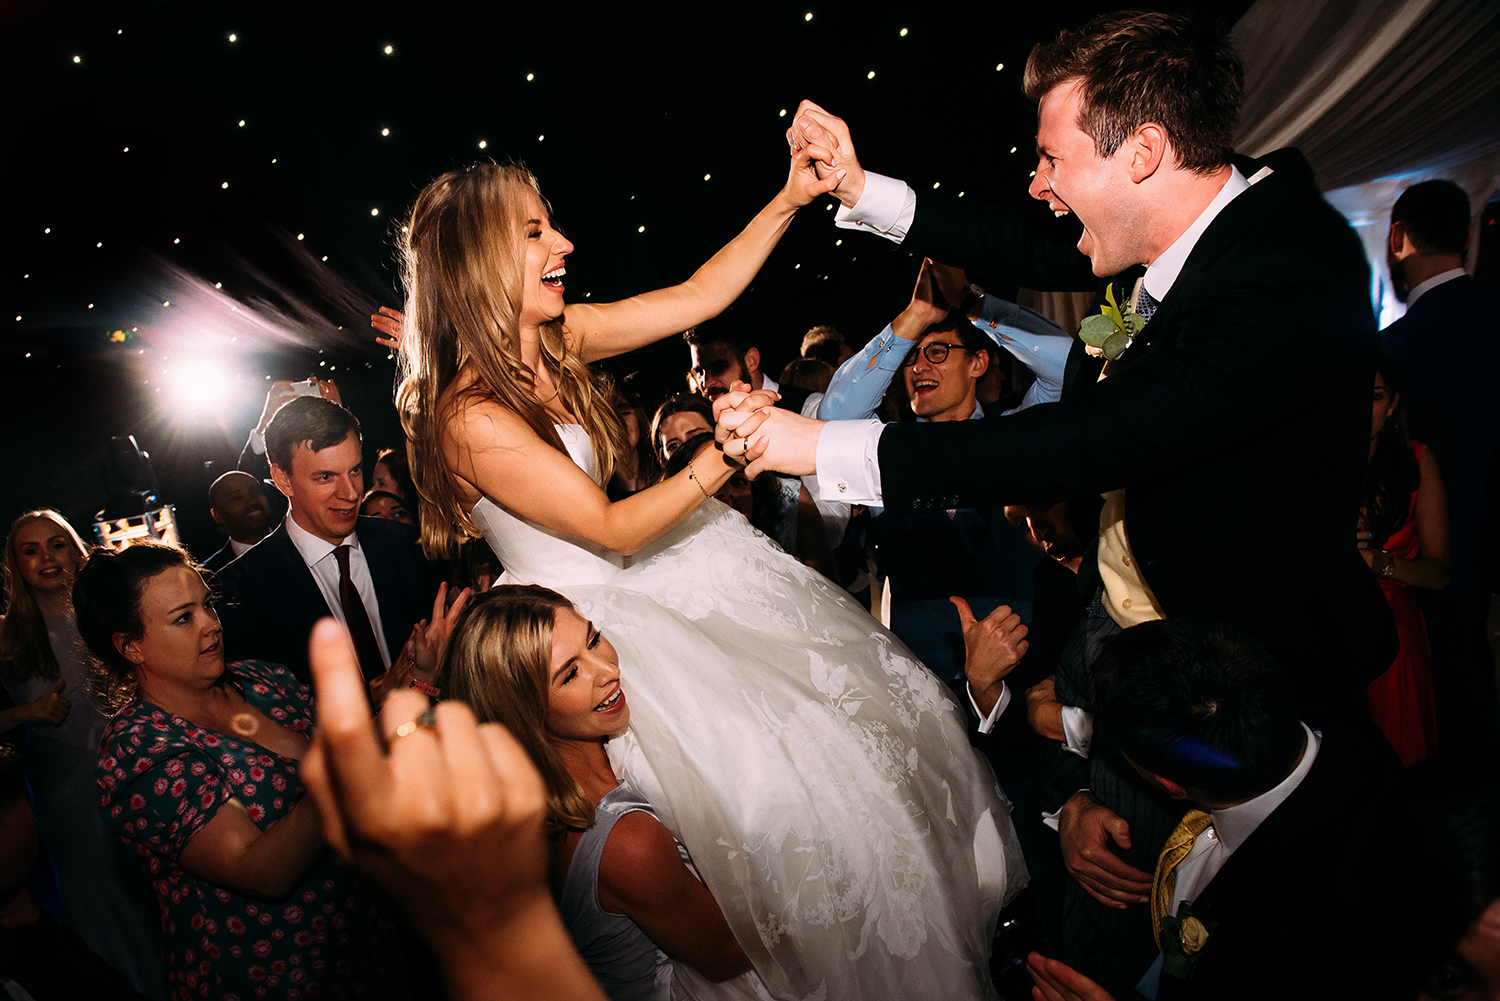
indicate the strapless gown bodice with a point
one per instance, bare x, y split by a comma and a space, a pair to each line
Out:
532, 554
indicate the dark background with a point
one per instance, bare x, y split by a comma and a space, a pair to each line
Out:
625, 114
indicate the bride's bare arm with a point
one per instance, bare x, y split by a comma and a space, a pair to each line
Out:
600, 330
500, 456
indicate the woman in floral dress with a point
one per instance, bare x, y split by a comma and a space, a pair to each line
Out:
199, 774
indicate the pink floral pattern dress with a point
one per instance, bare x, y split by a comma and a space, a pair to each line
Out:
163, 778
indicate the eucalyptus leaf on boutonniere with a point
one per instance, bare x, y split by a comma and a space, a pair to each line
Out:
1182, 940
1110, 333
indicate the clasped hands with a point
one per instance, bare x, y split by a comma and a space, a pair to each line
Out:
752, 429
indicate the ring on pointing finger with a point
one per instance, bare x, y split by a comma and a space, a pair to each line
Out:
426, 721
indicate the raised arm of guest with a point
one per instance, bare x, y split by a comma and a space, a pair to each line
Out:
1037, 342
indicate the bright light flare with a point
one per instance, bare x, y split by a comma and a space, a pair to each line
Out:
198, 384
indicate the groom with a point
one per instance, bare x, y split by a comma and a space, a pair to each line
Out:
1230, 437
1231, 434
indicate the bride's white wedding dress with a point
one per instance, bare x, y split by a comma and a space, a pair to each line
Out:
818, 774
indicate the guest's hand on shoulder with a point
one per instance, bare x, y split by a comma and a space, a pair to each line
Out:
1085, 829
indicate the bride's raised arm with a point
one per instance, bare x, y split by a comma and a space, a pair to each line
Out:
600, 330
499, 455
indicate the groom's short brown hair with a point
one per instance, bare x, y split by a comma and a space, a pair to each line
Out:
1178, 71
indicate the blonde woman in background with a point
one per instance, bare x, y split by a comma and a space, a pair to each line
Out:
45, 671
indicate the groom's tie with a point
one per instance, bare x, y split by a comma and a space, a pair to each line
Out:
1145, 302
1179, 845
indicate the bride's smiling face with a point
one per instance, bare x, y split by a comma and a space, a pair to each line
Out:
544, 248
585, 701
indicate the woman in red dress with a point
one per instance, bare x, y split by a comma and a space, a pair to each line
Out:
1403, 536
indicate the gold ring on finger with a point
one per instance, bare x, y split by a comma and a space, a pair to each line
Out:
426, 721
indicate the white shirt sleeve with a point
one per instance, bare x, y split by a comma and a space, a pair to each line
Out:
848, 462
886, 208
1078, 728
1051, 819
987, 723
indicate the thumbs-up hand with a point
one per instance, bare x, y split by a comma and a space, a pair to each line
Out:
993, 646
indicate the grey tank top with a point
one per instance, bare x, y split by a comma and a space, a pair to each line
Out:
627, 964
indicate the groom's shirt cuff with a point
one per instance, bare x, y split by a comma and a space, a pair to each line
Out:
987, 723
885, 208
848, 462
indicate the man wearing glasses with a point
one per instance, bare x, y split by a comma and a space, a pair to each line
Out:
974, 553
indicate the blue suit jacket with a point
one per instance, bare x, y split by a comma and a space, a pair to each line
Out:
269, 600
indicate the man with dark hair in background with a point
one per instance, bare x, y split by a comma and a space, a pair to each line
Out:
323, 559
1447, 348
237, 503
722, 356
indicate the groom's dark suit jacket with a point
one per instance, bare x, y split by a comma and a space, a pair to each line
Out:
1238, 421
269, 600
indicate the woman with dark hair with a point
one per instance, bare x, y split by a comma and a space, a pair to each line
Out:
45, 670
637, 467
522, 656
199, 775
1403, 536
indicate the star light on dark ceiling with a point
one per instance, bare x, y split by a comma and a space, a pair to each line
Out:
251, 165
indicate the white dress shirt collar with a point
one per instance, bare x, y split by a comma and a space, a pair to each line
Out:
1162, 273
1235, 824
313, 549
769, 384
240, 548
1432, 283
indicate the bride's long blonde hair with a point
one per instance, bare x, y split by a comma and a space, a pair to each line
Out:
463, 257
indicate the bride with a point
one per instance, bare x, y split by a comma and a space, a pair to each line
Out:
819, 776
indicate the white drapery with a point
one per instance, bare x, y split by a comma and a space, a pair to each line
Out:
1378, 95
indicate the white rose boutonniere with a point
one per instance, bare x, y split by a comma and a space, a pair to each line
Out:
1108, 334
1183, 939
1194, 936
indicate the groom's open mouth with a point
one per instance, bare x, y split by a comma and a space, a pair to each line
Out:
920, 386
554, 279
613, 703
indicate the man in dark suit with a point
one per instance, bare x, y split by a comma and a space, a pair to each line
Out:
1245, 391
1446, 350
1205, 716
323, 559
237, 503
